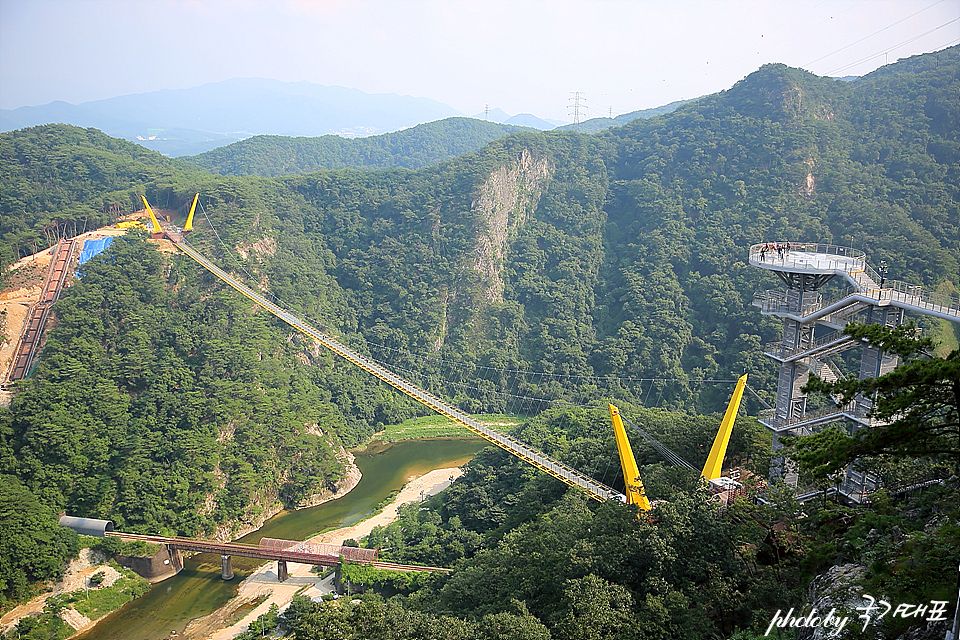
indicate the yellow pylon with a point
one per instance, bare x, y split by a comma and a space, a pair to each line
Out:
631, 474
714, 464
156, 225
189, 225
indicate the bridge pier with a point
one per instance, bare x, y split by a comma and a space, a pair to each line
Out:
282, 570
226, 568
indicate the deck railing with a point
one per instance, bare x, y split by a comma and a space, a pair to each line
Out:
782, 352
768, 417
596, 490
867, 281
839, 258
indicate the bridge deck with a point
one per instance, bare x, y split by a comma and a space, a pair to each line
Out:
819, 259
248, 551
569, 475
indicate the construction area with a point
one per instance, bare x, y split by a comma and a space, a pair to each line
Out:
32, 285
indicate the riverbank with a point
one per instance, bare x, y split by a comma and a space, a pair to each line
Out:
90, 561
72, 593
262, 587
351, 478
197, 591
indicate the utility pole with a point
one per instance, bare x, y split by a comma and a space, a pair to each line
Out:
577, 96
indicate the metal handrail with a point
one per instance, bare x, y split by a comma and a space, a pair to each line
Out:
917, 295
852, 410
837, 337
867, 281
596, 490
859, 257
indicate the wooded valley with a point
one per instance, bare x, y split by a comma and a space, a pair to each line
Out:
566, 269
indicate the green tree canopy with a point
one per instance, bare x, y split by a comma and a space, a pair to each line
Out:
33, 546
915, 405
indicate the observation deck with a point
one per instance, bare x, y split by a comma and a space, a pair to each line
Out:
823, 259
815, 264
813, 332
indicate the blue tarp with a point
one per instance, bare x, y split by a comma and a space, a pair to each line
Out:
92, 248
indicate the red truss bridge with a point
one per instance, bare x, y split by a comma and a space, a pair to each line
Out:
283, 551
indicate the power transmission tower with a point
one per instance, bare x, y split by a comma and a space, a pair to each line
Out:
486, 112
577, 96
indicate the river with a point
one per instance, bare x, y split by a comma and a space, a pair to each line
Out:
198, 589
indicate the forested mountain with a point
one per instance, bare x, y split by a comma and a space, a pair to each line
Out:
57, 181
413, 148
545, 266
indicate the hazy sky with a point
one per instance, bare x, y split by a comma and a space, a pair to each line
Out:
519, 55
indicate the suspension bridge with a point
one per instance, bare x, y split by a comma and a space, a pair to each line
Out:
555, 468
283, 551
566, 474
803, 268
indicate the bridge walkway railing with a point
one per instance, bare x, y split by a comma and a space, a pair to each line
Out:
562, 472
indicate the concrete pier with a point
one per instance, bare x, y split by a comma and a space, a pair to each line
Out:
226, 568
282, 570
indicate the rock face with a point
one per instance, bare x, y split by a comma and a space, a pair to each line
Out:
75, 578
505, 200
840, 589
930, 631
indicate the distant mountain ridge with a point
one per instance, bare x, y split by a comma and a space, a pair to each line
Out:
543, 275
190, 121
523, 119
414, 148
594, 125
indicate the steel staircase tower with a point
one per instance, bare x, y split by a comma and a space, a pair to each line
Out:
805, 269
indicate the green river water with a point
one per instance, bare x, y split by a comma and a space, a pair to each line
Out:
198, 589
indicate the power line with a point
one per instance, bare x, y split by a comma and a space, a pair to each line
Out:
894, 47
600, 108
872, 34
787, 29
